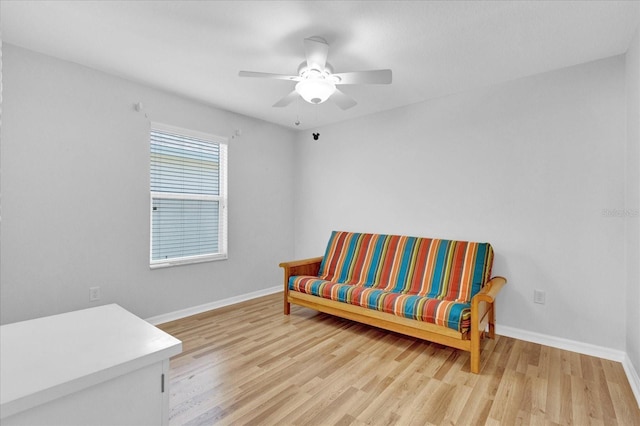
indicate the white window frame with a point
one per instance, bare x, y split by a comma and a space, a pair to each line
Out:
221, 198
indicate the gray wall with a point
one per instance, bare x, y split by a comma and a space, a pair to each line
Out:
527, 165
632, 198
75, 194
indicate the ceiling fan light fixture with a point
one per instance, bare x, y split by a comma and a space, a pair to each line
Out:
315, 90
316, 80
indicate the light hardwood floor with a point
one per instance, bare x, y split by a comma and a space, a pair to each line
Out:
250, 364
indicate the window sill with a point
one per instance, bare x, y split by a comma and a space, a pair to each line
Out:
158, 264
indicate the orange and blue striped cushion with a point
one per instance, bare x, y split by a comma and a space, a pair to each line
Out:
423, 279
433, 268
447, 313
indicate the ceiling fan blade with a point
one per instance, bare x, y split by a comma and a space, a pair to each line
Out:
316, 50
364, 77
287, 99
268, 75
343, 100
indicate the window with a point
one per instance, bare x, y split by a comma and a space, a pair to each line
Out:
188, 196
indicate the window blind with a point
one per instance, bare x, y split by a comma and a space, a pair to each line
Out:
184, 165
187, 197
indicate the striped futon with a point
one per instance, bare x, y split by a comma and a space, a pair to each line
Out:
423, 279
437, 290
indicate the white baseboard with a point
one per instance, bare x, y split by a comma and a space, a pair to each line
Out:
560, 343
172, 316
579, 347
632, 376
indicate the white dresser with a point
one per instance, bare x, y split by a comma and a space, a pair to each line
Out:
98, 366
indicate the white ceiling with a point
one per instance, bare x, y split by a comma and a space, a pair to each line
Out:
435, 48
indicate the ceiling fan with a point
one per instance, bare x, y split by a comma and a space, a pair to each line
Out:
316, 81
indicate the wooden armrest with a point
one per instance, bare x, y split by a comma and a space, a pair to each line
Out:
309, 267
483, 314
301, 262
490, 290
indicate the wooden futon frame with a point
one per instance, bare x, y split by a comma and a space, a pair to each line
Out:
482, 312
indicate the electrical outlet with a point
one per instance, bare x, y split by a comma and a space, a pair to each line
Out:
94, 294
539, 296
